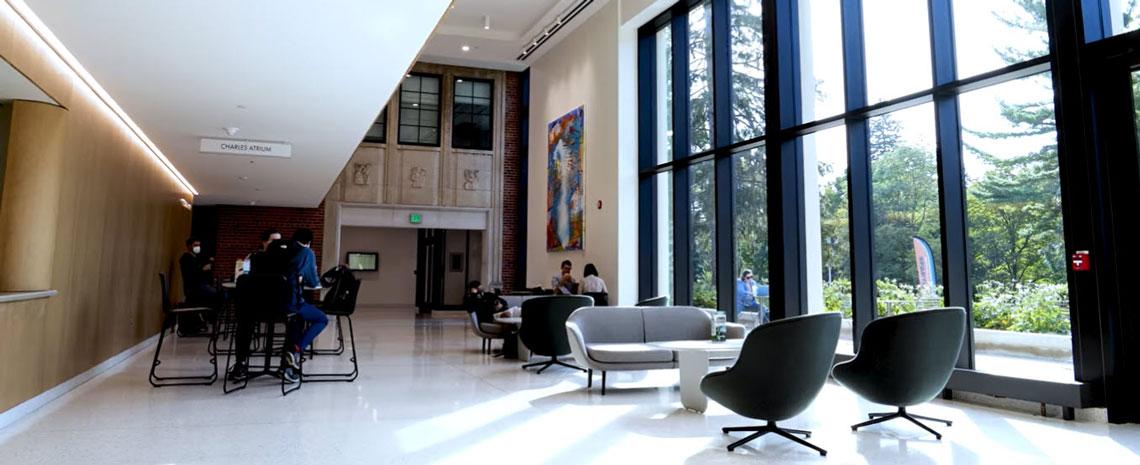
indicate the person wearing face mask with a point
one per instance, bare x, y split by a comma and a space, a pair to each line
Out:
197, 283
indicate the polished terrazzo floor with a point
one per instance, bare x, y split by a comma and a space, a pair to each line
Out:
426, 396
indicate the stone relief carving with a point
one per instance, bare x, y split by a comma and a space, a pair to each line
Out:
470, 179
417, 177
360, 173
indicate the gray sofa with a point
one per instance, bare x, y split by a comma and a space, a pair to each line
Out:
615, 338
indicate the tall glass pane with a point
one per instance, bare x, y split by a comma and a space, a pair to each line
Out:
1136, 102
821, 59
664, 272
1015, 31
700, 78
897, 40
747, 32
828, 243
1013, 201
663, 80
702, 220
1124, 15
904, 197
750, 224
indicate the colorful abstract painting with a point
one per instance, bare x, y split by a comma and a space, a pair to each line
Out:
564, 145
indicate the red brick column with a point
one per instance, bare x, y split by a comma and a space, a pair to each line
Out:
240, 227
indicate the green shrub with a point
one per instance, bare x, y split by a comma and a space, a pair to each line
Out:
1030, 308
837, 297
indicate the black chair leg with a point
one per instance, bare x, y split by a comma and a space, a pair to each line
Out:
771, 427
603, 382
947, 422
162, 381
589, 378
747, 439
902, 413
345, 377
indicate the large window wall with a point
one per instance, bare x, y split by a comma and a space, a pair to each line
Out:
863, 157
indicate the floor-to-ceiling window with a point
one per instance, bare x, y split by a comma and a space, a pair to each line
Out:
867, 157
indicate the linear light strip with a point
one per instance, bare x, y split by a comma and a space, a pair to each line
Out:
44, 33
547, 32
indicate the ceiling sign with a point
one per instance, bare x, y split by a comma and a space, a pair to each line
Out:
247, 147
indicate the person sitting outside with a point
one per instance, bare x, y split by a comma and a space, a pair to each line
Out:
746, 292
564, 283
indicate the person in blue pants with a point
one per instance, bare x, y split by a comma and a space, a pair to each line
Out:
308, 320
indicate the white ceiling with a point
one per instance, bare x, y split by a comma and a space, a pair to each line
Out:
514, 23
313, 74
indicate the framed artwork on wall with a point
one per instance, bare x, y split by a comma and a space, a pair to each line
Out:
565, 146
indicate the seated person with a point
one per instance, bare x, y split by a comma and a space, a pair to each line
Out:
197, 275
566, 286
563, 282
484, 304
594, 286
746, 292
197, 286
296, 261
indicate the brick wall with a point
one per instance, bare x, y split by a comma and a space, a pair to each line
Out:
239, 231
511, 180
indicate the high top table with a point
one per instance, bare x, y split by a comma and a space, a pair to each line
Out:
694, 359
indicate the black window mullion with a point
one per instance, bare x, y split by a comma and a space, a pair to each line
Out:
682, 230
1095, 308
786, 228
647, 150
725, 248
859, 170
951, 174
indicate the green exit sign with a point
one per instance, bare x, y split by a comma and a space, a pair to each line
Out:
415, 218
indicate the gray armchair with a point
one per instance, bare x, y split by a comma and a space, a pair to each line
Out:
767, 384
487, 331
905, 360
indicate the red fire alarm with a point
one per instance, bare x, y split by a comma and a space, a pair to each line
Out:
1080, 260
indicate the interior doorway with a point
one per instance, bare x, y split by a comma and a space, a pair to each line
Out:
446, 260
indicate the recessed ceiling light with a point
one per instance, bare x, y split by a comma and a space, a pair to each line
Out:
415, 104
459, 80
243, 178
465, 48
486, 22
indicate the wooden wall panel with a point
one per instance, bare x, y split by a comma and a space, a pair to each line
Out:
118, 224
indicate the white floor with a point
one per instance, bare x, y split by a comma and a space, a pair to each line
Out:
426, 395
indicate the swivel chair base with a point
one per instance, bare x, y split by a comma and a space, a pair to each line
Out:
901, 413
551, 362
771, 428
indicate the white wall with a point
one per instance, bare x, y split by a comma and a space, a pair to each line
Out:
595, 67
581, 70
395, 282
